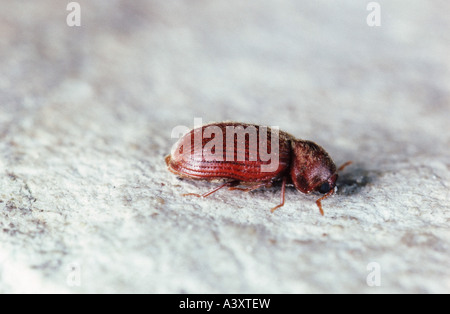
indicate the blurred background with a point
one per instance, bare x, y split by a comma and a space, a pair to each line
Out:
86, 113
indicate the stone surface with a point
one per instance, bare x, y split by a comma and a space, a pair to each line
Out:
86, 115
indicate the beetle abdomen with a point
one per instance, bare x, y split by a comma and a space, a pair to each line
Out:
230, 150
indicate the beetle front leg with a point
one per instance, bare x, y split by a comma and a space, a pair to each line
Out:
319, 201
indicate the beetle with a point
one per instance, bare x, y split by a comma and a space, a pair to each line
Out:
241, 162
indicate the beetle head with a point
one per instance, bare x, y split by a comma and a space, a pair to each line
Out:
312, 169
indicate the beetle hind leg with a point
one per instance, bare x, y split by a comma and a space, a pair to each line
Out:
229, 184
249, 189
283, 190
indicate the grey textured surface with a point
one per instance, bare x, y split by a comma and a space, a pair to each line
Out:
86, 113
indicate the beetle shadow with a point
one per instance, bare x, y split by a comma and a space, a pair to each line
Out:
354, 178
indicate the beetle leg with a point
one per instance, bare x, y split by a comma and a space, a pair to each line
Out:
319, 201
167, 159
283, 190
251, 188
230, 184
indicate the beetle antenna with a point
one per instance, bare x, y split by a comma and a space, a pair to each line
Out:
344, 165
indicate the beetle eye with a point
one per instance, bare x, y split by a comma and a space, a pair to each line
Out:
324, 188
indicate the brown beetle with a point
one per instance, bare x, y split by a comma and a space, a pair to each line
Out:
253, 157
